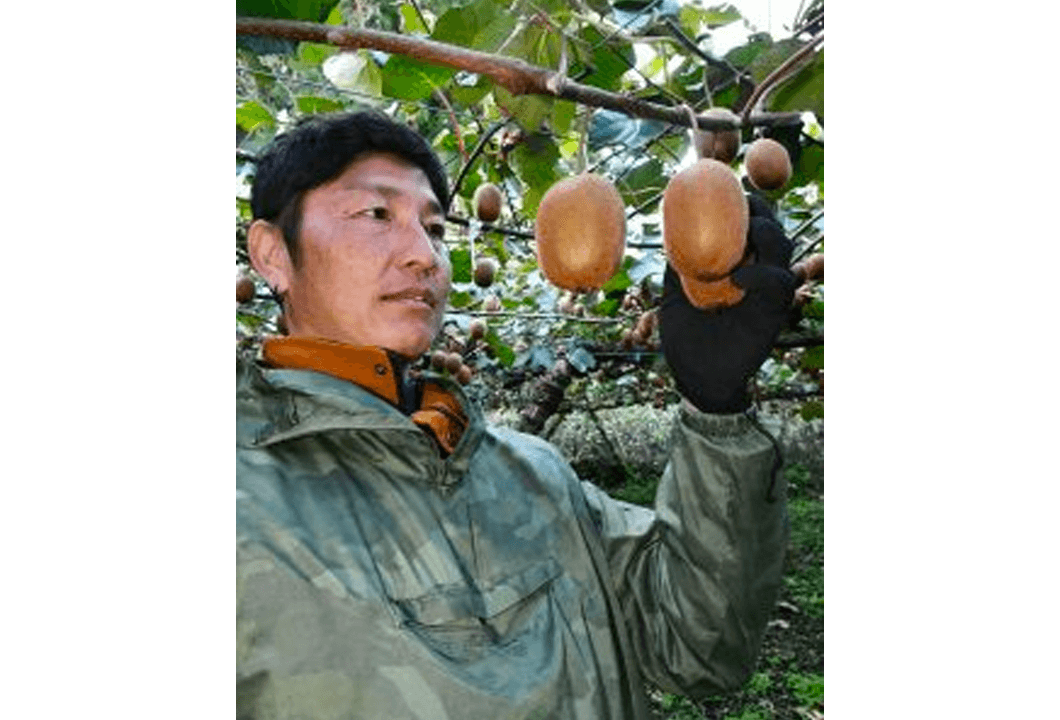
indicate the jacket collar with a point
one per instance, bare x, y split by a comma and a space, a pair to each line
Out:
372, 368
431, 406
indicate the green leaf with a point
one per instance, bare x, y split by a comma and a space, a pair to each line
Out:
461, 262
618, 282
813, 358
355, 71
335, 17
534, 160
803, 91
772, 56
312, 105
251, 115
811, 410
742, 56
606, 59
458, 299
607, 308
527, 110
810, 167
482, 25
313, 54
407, 79
563, 113
469, 94
410, 21
504, 353
642, 182
312, 10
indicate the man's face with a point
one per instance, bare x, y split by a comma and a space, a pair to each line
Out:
373, 269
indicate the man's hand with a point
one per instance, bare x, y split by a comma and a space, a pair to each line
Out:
713, 353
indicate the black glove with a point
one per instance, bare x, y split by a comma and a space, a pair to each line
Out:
713, 353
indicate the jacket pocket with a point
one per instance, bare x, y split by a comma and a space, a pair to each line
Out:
462, 603
471, 625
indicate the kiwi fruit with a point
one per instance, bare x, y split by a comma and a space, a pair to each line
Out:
768, 165
244, 290
712, 293
811, 268
438, 359
580, 232
463, 374
485, 271
705, 221
477, 329
491, 304
453, 362
487, 201
721, 145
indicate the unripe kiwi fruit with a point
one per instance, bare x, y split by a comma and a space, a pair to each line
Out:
244, 290
477, 329
768, 165
721, 145
463, 374
705, 221
438, 358
580, 232
487, 200
485, 271
453, 362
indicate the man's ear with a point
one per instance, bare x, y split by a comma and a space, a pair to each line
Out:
269, 256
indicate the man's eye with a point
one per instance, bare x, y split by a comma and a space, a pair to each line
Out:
377, 212
436, 231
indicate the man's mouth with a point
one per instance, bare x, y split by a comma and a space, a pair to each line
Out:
424, 295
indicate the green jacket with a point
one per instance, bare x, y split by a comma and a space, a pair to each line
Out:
377, 580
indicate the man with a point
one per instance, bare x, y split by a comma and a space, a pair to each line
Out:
396, 556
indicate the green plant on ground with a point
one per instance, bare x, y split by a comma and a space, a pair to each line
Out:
637, 489
751, 713
678, 707
759, 684
805, 576
808, 688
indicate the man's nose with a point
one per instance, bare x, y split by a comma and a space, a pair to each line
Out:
419, 250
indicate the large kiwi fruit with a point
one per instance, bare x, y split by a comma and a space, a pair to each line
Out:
768, 165
580, 232
705, 222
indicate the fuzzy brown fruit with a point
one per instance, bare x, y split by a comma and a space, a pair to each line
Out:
580, 232
477, 329
720, 145
768, 165
811, 268
463, 374
244, 290
705, 221
485, 271
487, 200
438, 359
491, 304
453, 362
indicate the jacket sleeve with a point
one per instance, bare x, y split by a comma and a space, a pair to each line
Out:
698, 577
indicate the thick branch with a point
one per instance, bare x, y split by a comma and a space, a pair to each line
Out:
516, 76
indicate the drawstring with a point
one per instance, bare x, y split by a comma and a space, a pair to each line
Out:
778, 458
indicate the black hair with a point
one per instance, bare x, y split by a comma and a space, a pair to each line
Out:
317, 150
